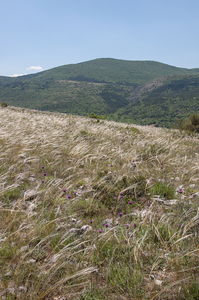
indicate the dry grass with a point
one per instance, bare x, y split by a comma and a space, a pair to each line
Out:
47, 251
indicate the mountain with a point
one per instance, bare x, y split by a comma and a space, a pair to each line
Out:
128, 91
109, 70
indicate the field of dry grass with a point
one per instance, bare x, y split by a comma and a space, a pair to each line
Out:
96, 210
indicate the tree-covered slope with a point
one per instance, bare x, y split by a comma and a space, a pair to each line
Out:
74, 97
177, 98
143, 92
114, 71
107, 70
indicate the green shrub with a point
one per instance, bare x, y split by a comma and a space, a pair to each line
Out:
83, 132
94, 116
4, 104
191, 125
133, 130
12, 195
164, 190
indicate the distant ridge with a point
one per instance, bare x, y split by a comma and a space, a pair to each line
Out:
141, 92
114, 71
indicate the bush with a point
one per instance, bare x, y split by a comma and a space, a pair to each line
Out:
4, 104
191, 125
164, 190
133, 130
94, 116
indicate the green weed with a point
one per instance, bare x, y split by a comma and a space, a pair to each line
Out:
163, 190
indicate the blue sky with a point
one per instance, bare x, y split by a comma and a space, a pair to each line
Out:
38, 35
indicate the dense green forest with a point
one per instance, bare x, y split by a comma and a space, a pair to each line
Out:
109, 70
177, 98
143, 92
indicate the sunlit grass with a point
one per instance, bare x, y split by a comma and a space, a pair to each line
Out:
96, 210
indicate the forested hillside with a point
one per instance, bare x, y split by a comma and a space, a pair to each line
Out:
143, 92
177, 98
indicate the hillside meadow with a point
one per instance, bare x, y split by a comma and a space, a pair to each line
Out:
94, 209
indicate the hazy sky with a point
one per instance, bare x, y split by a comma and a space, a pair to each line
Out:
38, 35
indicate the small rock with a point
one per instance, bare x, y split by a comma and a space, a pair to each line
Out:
170, 202
31, 207
180, 187
108, 176
11, 290
79, 222
83, 189
158, 282
85, 228
31, 261
163, 201
24, 248
158, 199
30, 194
140, 213
192, 186
194, 195
32, 178
177, 179
108, 221
3, 239
116, 223
21, 176
74, 231
8, 274
22, 288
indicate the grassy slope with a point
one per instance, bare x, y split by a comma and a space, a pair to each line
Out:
46, 253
